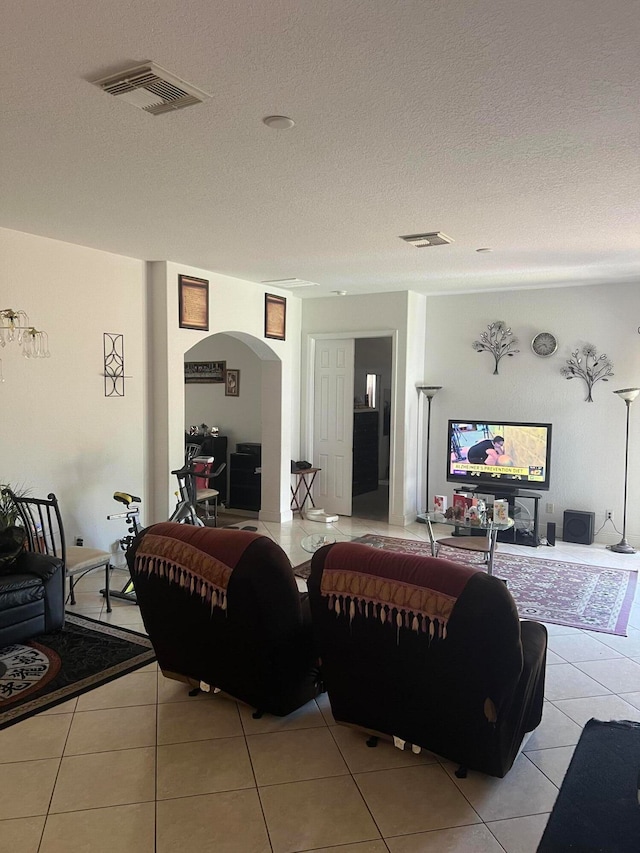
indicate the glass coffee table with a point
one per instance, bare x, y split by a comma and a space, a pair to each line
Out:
485, 544
316, 541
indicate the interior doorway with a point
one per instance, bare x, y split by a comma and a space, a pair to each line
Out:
372, 428
352, 423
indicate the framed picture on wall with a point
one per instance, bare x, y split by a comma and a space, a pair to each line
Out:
275, 316
232, 383
193, 303
204, 371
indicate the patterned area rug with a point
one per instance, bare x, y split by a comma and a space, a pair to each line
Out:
590, 597
52, 668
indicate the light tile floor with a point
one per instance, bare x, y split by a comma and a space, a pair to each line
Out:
138, 766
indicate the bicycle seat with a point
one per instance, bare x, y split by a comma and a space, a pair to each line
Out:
126, 499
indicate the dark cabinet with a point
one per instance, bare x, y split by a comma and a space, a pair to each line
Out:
523, 509
365, 452
245, 482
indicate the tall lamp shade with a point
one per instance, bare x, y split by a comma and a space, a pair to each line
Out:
623, 547
429, 391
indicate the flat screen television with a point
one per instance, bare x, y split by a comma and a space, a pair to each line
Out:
502, 456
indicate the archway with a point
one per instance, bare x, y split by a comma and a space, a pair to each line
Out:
275, 431
223, 390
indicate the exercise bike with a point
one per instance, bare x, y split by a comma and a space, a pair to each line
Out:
184, 513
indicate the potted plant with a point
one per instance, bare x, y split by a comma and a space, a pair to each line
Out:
8, 510
12, 536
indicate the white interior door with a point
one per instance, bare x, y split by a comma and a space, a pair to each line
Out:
333, 423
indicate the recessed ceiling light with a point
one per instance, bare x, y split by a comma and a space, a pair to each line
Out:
485, 249
279, 122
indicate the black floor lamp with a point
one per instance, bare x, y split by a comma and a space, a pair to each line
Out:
623, 547
429, 392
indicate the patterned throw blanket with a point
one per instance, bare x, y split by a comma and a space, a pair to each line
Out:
181, 555
416, 592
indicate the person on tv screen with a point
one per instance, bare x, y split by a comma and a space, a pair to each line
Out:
486, 452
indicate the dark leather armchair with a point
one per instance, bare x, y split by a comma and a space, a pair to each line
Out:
222, 607
429, 651
31, 598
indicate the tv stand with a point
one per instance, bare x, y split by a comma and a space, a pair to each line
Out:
515, 535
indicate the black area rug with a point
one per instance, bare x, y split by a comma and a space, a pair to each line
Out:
52, 668
597, 809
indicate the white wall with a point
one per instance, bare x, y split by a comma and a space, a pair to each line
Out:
239, 418
587, 462
58, 432
236, 307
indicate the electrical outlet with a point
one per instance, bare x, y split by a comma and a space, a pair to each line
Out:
608, 516
549, 509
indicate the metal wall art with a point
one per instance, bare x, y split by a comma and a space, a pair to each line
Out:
587, 365
497, 340
113, 365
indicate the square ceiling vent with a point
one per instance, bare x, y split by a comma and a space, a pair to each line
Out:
422, 241
290, 283
152, 88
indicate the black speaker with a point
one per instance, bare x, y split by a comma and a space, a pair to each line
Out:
578, 526
551, 533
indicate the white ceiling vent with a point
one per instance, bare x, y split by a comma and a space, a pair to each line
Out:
290, 283
151, 88
421, 241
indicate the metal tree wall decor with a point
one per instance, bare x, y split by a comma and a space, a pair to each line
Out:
586, 364
497, 340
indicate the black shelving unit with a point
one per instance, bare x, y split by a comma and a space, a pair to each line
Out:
245, 481
518, 534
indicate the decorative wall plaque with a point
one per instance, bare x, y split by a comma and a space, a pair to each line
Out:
193, 305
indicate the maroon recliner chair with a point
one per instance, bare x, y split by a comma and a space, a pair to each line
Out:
222, 607
429, 651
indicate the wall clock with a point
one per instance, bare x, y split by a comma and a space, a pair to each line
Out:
544, 344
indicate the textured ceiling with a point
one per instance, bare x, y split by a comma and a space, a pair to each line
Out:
500, 123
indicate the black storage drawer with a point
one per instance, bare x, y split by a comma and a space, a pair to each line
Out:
251, 447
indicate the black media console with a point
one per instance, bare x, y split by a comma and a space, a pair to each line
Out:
524, 532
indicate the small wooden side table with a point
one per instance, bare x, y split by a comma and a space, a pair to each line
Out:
302, 491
